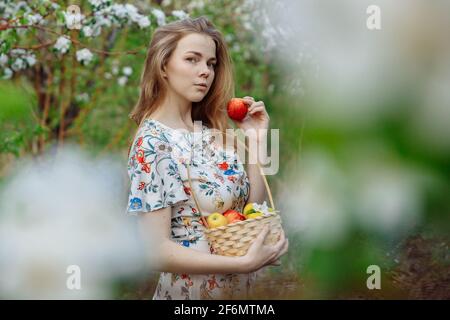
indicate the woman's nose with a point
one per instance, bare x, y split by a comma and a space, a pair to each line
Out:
205, 70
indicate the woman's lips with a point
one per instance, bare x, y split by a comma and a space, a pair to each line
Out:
200, 86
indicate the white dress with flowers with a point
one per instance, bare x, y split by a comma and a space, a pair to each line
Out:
157, 167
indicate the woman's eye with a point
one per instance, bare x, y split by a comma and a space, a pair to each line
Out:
193, 59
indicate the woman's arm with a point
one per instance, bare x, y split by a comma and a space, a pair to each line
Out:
258, 192
256, 125
168, 256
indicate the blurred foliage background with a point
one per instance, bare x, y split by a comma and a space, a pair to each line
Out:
363, 117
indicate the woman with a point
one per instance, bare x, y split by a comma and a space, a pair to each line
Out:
188, 77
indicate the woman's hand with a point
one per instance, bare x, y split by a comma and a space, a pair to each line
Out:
260, 255
257, 117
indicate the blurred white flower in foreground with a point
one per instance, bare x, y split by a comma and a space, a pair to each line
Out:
373, 191
388, 200
312, 202
325, 46
388, 192
57, 212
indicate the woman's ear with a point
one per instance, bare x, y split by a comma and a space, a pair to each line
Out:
163, 72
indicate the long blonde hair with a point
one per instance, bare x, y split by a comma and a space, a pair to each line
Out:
212, 109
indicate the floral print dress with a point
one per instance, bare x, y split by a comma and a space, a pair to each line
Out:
157, 167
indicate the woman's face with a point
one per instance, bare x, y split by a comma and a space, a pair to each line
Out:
186, 69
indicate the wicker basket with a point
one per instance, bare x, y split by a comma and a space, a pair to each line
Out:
234, 239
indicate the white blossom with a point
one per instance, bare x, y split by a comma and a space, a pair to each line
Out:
22, 58
160, 17
117, 14
62, 44
247, 25
87, 31
196, 4
73, 20
84, 56
166, 3
132, 12
96, 30
97, 3
103, 17
34, 19
19, 64
18, 52
143, 22
115, 70
119, 10
7, 73
31, 59
108, 75
127, 11
261, 208
3, 59
82, 97
127, 71
122, 81
180, 14
229, 37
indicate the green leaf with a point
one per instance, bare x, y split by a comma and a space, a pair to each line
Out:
24, 20
42, 10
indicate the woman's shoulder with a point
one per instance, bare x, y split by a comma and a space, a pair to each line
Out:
158, 127
153, 131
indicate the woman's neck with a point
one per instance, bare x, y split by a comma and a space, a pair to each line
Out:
175, 113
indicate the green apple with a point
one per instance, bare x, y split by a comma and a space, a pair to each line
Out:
216, 220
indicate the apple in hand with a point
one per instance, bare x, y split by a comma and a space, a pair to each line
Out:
216, 220
237, 109
233, 216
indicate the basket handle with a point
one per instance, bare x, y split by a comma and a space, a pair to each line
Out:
269, 193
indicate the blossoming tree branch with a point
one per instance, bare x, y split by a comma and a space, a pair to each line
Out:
60, 49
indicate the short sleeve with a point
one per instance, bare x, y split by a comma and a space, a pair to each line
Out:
154, 176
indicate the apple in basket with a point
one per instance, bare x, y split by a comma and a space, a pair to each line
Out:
233, 216
216, 220
253, 210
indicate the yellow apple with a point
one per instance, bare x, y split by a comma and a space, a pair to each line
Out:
254, 215
216, 220
249, 209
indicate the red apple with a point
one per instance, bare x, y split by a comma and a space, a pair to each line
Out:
237, 109
233, 216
